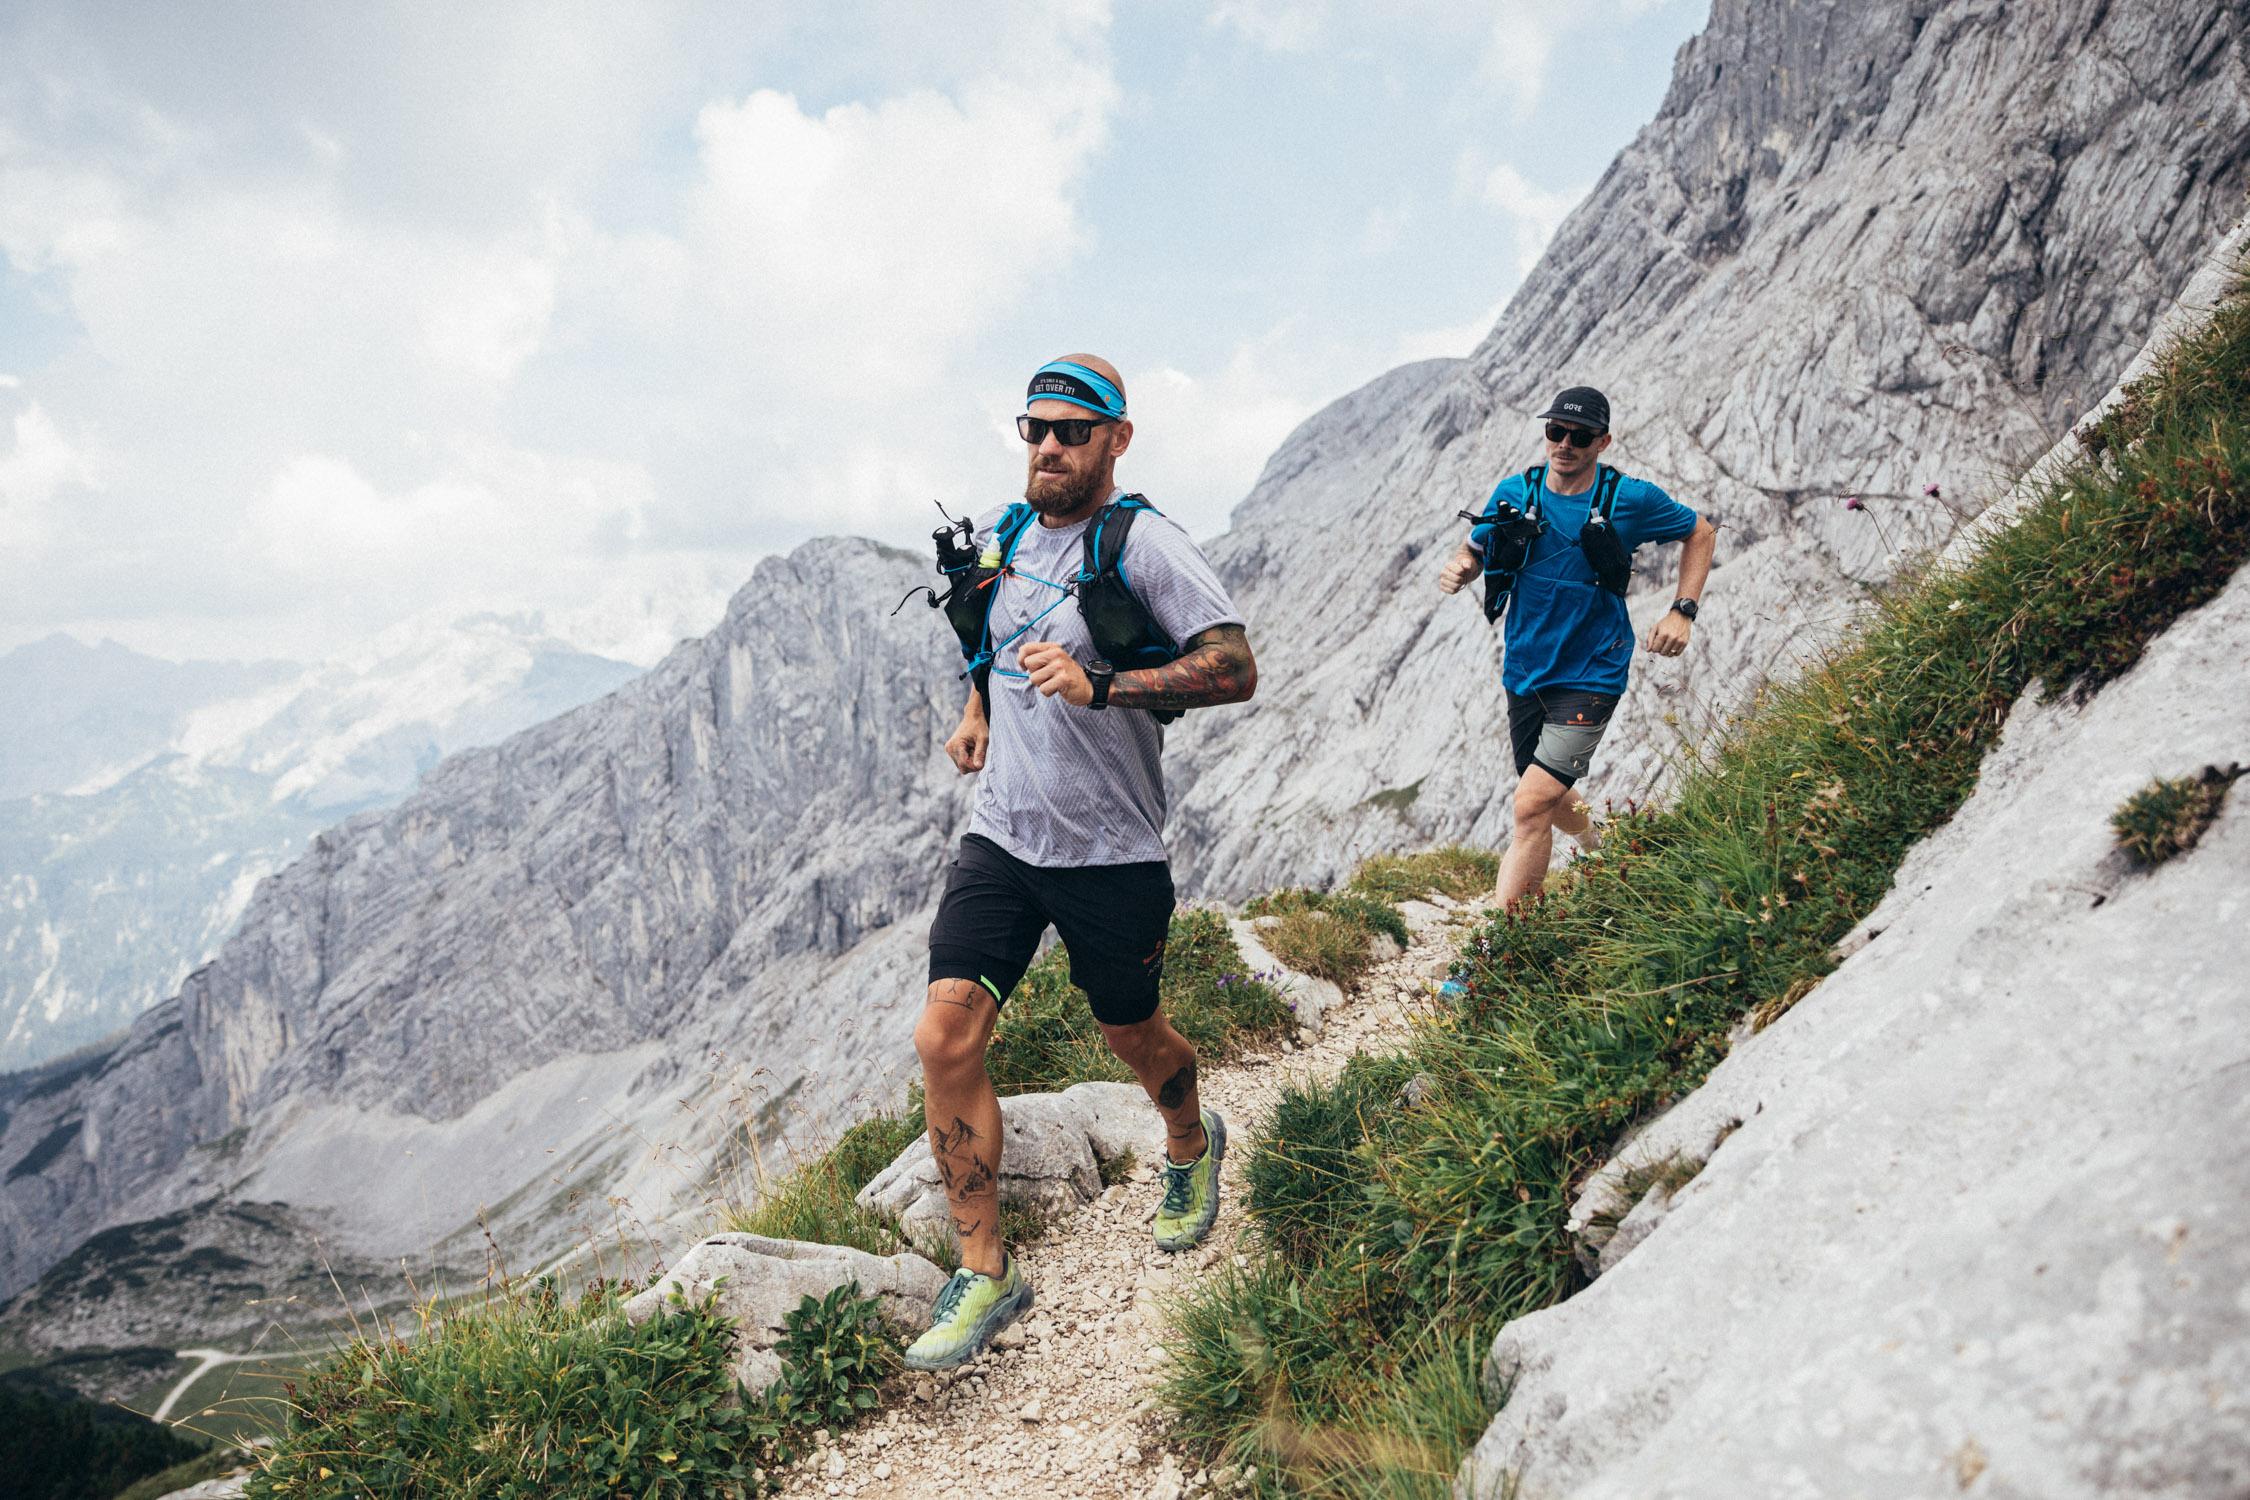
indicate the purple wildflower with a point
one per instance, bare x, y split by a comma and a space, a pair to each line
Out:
1932, 491
1852, 502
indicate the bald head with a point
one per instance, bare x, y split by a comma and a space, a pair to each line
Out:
1084, 395
1097, 364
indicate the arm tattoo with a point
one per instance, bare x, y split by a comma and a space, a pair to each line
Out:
1215, 668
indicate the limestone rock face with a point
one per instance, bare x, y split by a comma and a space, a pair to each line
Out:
756, 1282
1860, 250
1973, 1209
1051, 1157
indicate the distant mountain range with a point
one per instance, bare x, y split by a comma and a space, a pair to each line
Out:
81, 716
149, 797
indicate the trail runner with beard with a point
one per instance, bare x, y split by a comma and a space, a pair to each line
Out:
1066, 830
1568, 643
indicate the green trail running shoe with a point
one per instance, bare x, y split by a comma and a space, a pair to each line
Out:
971, 1311
1191, 1193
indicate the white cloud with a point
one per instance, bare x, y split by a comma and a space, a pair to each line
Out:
1276, 25
1536, 212
1200, 439
36, 467
355, 382
868, 240
1453, 342
1521, 47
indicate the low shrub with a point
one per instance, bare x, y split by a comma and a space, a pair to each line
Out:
835, 1352
527, 1395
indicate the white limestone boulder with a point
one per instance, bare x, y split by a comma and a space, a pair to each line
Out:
1970, 1215
1310, 999
756, 1282
1051, 1157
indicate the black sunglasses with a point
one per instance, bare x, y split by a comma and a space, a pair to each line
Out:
1071, 432
1577, 437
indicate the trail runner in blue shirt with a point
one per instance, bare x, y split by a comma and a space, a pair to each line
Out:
1568, 643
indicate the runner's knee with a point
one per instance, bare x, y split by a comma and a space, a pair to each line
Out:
950, 1038
1537, 803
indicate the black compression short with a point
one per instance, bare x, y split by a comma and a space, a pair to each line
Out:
1112, 918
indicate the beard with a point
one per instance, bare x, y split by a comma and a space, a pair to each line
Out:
1053, 492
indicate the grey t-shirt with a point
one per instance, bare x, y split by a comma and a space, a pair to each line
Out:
1063, 785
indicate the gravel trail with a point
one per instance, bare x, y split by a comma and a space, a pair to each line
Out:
1064, 1407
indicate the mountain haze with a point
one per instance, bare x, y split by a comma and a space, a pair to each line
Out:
111, 889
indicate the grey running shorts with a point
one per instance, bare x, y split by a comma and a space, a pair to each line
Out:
1557, 730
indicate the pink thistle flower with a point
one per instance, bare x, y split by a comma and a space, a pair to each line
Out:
1931, 490
1851, 502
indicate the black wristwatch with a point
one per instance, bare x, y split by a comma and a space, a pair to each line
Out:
1685, 607
1100, 673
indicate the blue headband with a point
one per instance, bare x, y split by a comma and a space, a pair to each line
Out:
1063, 381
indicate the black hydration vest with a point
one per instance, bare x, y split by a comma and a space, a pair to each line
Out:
1125, 634
1508, 547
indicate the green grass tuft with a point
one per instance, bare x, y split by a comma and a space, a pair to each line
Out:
1328, 934
1456, 872
531, 1395
1611, 994
2166, 818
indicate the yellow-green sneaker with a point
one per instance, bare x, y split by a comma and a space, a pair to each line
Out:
1191, 1192
971, 1311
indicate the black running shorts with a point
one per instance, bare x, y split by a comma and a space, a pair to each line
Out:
1113, 919
1557, 731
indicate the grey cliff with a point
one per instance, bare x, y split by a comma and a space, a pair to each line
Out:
1980, 1195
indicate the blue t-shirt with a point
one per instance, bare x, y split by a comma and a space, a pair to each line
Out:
1565, 631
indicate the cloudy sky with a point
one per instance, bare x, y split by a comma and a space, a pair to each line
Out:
313, 318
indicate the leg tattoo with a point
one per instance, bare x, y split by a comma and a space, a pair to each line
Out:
1176, 1088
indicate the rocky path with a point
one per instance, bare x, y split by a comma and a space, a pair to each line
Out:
1065, 1405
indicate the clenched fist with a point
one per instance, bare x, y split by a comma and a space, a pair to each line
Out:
967, 747
1458, 570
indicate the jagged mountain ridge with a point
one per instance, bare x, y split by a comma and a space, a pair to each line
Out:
80, 714
579, 912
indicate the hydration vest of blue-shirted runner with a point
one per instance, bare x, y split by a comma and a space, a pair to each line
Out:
1559, 566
